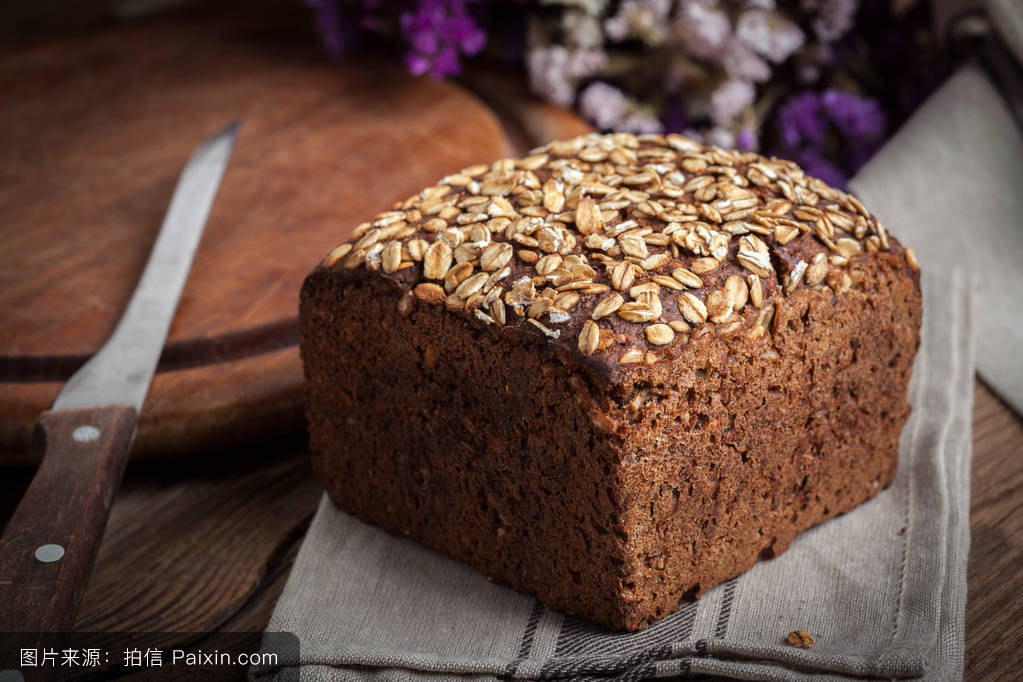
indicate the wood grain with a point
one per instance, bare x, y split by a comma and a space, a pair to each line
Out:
322, 148
200, 545
190, 543
95, 131
191, 410
994, 609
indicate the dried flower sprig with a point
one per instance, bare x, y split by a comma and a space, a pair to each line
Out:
822, 82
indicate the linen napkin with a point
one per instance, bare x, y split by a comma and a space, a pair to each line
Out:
950, 184
881, 589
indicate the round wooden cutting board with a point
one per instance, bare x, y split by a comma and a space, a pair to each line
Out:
94, 132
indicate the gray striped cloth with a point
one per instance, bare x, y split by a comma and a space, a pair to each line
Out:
882, 589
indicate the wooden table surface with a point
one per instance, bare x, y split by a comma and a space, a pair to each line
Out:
205, 543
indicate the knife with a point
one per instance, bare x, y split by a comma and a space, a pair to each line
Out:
49, 545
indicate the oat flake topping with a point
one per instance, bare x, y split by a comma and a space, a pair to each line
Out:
610, 230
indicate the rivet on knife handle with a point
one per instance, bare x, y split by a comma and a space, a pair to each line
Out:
49, 545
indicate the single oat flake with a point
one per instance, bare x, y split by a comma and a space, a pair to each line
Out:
800, 639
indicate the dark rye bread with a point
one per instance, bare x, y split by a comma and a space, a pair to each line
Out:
484, 378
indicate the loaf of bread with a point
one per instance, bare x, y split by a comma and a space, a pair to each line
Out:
613, 373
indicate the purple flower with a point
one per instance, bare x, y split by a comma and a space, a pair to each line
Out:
769, 34
801, 121
854, 116
604, 105
746, 140
674, 118
554, 70
832, 19
337, 35
831, 134
438, 32
374, 16
697, 64
717, 137
705, 29
581, 29
817, 166
730, 99
644, 19
742, 63
609, 109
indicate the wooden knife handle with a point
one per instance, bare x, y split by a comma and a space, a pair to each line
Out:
49, 545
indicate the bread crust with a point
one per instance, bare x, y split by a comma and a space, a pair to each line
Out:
609, 488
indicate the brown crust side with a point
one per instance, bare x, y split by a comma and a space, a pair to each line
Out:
744, 443
612, 504
489, 457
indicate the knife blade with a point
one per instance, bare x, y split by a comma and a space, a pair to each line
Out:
120, 372
49, 545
